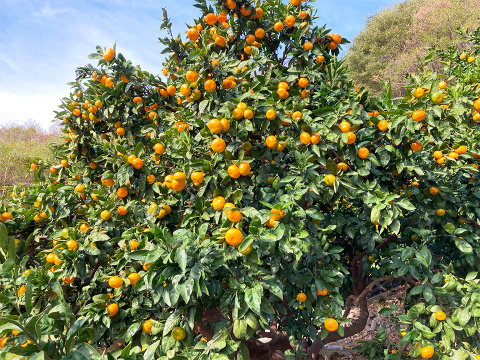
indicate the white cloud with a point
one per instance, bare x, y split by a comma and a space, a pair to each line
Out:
19, 108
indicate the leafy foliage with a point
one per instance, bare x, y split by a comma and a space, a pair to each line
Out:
162, 233
396, 40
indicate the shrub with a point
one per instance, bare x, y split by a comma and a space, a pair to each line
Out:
395, 41
255, 189
17, 144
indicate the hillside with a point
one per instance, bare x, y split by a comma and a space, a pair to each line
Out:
396, 39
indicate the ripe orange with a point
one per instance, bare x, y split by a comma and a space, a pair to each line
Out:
210, 85
342, 166
218, 203
283, 93
215, 126
303, 82
440, 316
440, 212
133, 278
159, 149
68, 279
337, 39
185, 90
329, 179
305, 138
193, 34
120, 131
6, 216
434, 191
218, 145
426, 352
72, 245
112, 309
211, 18
332, 45
419, 115
258, 13
271, 142
84, 228
115, 282
33, 166
301, 297
290, 20
147, 327
383, 125
197, 177
191, 76
137, 163
122, 210
416, 146
315, 138
248, 114
418, 93
344, 126
109, 54
277, 27
231, 4
271, 114
178, 185
260, 33
442, 84
363, 153
324, 292
122, 192
234, 216
234, 237
461, 150
307, 46
437, 154
233, 171
297, 116
21, 292
331, 324
244, 168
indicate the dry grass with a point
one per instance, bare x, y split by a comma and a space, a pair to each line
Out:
17, 143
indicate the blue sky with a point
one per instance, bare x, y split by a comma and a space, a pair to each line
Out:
42, 42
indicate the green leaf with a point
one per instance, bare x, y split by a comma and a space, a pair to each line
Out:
181, 257
150, 352
77, 327
240, 328
171, 322
449, 227
132, 329
463, 246
424, 256
3, 240
243, 353
404, 203
375, 215
253, 298
464, 317
471, 276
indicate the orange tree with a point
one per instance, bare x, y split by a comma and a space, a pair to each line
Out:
251, 192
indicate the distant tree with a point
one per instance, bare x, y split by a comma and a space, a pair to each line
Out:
396, 40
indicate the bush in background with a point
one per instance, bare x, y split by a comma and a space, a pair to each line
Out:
396, 40
19, 141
